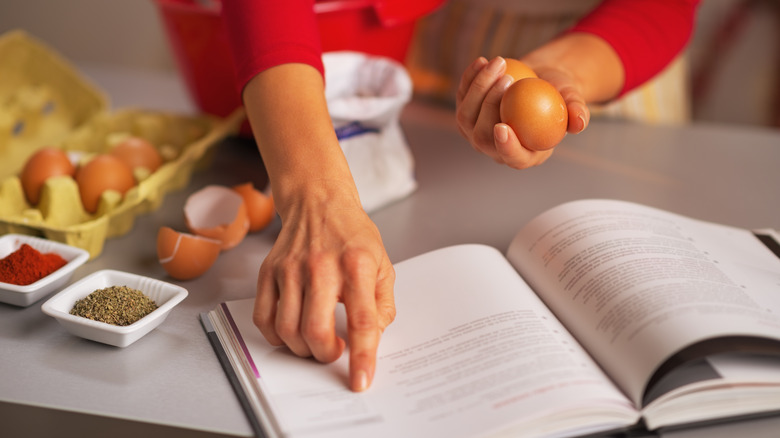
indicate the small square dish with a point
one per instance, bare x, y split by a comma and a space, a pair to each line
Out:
165, 295
24, 295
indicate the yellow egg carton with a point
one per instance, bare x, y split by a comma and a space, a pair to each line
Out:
44, 102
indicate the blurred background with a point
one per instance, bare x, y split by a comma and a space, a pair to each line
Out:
731, 67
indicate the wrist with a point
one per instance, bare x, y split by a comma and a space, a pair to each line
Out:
590, 61
318, 194
288, 112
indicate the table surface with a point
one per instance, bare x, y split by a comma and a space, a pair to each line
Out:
170, 382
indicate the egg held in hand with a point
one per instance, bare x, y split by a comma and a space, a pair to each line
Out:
536, 112
518, 69
42, 165
104, 172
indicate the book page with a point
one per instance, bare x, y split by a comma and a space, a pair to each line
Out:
636, 284
472, 352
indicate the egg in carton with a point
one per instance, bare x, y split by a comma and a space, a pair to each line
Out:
45, 103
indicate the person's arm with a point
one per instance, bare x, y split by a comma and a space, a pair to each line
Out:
645, 34
328, 249
618, 46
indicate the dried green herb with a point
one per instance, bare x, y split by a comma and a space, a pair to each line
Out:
117, 305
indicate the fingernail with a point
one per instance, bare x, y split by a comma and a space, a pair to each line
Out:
496, 64
360, 381
501, 133
582, 120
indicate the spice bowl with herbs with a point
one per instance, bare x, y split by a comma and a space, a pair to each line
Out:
114, 307
32, 267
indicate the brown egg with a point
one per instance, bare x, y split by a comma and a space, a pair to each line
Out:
259, 206
42, 165
219, 213
186, 256
536, 112
137, 152
518, 69
101, 173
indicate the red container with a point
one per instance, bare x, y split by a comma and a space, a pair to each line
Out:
200, 44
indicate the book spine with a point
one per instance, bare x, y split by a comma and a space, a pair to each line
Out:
213, 338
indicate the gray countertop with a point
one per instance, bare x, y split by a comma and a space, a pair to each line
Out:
170, 383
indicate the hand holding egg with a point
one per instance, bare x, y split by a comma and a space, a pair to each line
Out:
533, 121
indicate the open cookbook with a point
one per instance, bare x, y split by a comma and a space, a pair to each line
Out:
602, 316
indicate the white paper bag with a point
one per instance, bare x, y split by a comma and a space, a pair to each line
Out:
365, 97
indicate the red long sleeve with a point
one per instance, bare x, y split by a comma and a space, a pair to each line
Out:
265, 33
646, 34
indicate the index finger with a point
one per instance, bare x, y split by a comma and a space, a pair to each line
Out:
471, 98
362, 321
468, 77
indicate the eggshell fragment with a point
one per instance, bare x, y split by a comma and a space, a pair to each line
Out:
259, 206
536, 112
217, 212
185, 256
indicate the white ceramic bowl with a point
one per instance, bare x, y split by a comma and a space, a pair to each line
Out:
24, 295
166, 296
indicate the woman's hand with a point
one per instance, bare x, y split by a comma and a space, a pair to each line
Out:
478, 100
328, 251
581, 67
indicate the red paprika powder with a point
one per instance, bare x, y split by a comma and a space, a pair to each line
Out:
27, 265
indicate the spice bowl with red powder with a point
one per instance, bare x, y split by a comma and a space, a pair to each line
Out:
32, 267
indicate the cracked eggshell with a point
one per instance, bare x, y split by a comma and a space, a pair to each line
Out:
219, 213
260, 207
186, 256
